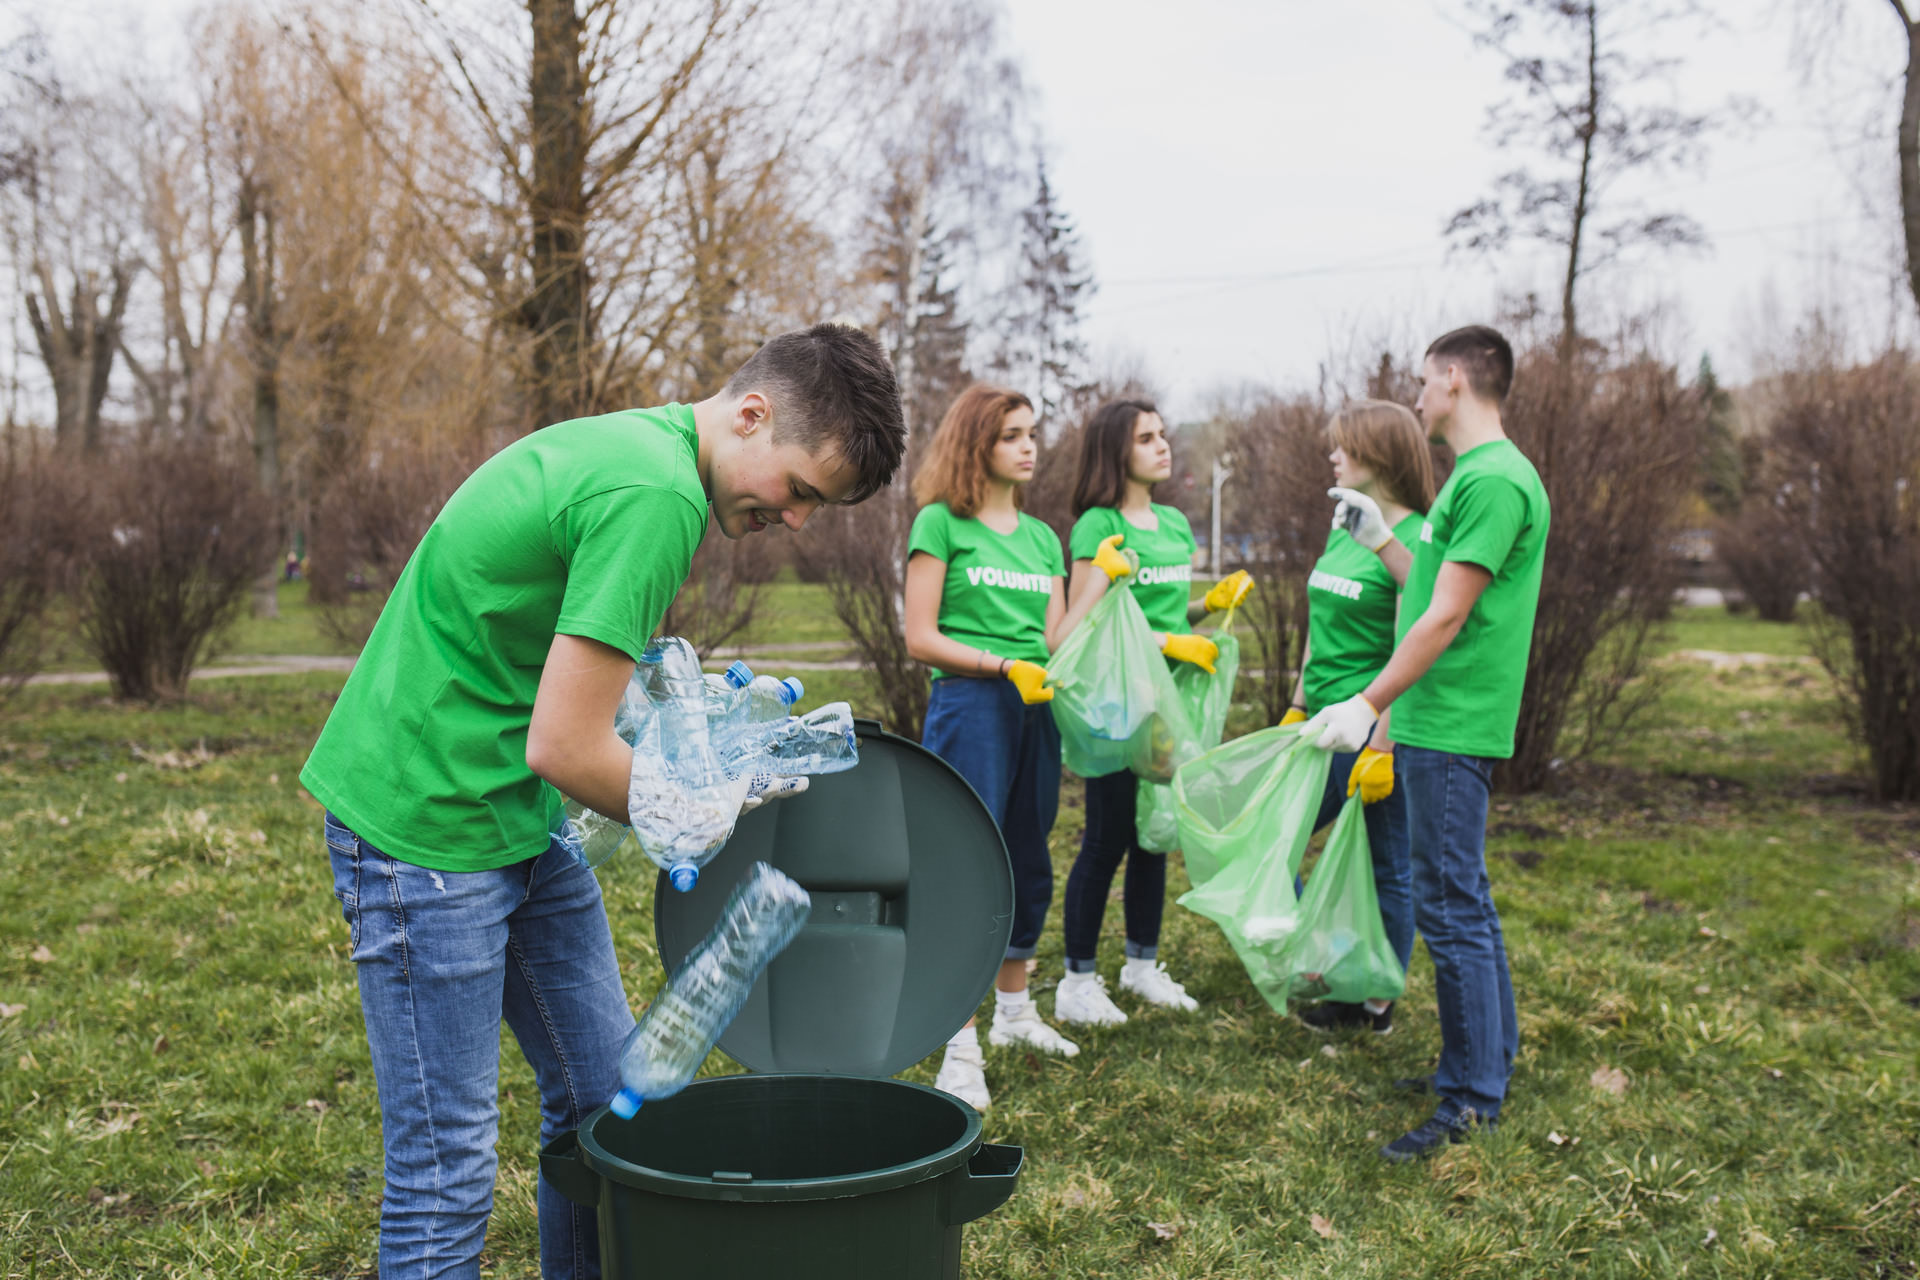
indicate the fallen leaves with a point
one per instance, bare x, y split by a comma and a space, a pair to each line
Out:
11, 1010
1609, 1080
40, 955
1322, 1227
1164, 1230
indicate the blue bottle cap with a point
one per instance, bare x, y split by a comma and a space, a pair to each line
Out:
625, 1103
684, 876
739, 674
791, 690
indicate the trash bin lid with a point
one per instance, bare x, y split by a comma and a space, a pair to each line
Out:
912, 908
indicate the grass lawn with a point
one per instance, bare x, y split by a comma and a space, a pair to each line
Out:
1709, 916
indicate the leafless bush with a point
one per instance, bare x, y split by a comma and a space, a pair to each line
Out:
1763, 554
175, 533
860, 554
1616, 443
721, 594
1274, 516
367, 521
1848, 444
37, 527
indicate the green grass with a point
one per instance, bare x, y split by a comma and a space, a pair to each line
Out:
1709, 909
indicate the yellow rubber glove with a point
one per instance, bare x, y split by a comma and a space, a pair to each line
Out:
1229, 591
1294, 716
1198, 650
1372, 776
1109, 560
1030, 678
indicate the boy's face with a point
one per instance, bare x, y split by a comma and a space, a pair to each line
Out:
1440, 386
758, 483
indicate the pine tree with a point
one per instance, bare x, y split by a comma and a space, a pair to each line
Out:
1045, 327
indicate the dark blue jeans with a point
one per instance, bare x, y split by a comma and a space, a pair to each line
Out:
1109, 837
1010, 753
1387, 841
1453, 907
442, 957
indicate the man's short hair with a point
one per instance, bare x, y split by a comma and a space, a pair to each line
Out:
834, 392
1482, 354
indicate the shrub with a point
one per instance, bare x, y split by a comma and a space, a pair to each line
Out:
175, 534
721, 594
37, 528
1763, 555
860, 554
1848, 445
1616, 443
368, 519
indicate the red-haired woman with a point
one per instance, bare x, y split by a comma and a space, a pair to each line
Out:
985, 604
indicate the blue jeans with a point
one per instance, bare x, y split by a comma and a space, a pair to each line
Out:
1387, 841
1009, 753
1112, 808
1453, 907
442, 957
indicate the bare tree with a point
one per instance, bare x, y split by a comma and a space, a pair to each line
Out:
1582, 103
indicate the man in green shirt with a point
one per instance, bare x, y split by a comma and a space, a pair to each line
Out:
487, 689
1454, 683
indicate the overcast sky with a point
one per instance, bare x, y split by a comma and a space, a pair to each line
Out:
1262, 183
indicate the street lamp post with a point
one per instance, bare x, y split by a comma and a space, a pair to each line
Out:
1220, 473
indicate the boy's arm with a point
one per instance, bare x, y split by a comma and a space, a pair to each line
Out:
570, 741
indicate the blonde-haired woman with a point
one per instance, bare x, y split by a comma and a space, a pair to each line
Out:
985, 604
1378, 449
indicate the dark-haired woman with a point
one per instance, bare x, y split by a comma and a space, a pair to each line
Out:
1123, 454
1380, 451
985, 603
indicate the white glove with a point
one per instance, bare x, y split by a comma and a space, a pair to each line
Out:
765, 789
1360, 516
1344, 726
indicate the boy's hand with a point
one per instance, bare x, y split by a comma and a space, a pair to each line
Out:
1360, 516
1344, 726
1372, 776
1030, 678
1198, 650
1229, 591
1109, 559
766, 789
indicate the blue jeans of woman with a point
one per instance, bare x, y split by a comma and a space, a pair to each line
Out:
1009, 753
1387, 841
442, 957
1453, 907
1110, 836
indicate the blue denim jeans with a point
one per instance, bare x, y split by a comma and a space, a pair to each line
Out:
1111, 835
1387, 841
442, 957
1453, 907
1009, 753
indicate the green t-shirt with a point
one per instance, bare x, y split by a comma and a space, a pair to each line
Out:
584, 528
1351, 598
1492, 512
998, 585
1166, 560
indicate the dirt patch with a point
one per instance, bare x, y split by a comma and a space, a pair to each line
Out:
1525, 830
1660, 906
1525, 859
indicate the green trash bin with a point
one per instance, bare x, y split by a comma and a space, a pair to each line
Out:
816, 1166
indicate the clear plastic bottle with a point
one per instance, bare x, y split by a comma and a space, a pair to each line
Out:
724, 691
822, 741
679, 797
705, 994
757, 718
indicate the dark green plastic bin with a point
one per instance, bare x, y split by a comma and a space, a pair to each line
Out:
816, 1166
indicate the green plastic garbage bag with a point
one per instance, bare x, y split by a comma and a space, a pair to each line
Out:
1207, 698
1108, 681
1246, 797
1339, 948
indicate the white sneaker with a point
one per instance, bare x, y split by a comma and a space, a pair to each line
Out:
1025, 1027
1082, 997
963, 1073
1151, 983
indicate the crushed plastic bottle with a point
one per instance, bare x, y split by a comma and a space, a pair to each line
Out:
589, 835
679, 796
822, 741
725, 691
706, 993
763, 713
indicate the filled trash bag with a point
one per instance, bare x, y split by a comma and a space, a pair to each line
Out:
1246, 797
1207, 699
1339, 950
1108, 680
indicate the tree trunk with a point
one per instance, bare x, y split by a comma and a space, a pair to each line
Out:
77, 347
255, 218
556, 311
1568, 331
1910, 158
